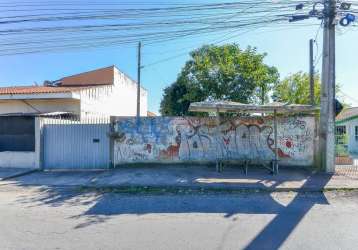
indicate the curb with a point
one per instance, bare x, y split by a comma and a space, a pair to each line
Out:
132, 189
155, 189
19, 174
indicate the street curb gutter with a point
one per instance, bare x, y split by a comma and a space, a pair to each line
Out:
19, 174
132, 189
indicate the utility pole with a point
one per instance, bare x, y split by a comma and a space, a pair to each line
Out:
138, 78
312, 97
327, 114
328, 88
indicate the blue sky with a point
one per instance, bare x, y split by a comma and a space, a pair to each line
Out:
287, 49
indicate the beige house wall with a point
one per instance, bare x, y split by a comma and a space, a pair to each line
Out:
39, 106
119, 99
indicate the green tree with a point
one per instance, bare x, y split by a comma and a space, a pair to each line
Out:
220, 73
295, 88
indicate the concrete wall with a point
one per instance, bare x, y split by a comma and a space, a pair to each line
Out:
178, 139
23, 159
18, 160
117, 100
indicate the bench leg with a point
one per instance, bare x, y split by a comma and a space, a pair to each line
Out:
220, 166
246, 166
274, 167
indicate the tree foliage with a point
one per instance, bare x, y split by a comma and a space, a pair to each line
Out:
295, 88
220, 73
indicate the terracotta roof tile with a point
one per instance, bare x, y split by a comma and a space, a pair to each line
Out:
347, 114
20, 90
151, 114
94, 78
103, 76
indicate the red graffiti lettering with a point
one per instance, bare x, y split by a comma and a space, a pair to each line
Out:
148, 147
282, 154
171, 151
226, 141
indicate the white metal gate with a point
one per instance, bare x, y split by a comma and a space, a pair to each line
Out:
71, 144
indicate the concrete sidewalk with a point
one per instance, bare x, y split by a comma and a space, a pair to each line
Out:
8, 173
192, 177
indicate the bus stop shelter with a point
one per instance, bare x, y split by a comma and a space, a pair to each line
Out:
275, 109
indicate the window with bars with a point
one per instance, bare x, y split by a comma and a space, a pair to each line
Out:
341, 132
17, 134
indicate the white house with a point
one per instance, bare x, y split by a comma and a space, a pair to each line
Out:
102, 92
105, 92
347, 129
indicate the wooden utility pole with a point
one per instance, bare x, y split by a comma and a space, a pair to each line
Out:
327, 114
312, 97
138, 78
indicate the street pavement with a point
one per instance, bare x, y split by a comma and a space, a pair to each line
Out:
46, 217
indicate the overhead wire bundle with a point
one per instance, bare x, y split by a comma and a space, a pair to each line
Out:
38, 26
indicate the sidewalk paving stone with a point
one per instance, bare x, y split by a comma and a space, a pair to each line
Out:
192, 177
6, 173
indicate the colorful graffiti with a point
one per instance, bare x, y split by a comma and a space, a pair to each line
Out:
200, 139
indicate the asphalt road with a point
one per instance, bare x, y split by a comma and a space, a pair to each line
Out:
48, 218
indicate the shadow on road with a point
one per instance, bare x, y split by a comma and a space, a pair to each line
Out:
278, 230
100, 207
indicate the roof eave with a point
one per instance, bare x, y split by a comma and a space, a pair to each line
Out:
36, 96
340, 121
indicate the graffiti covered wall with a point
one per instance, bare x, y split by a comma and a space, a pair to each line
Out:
180, 139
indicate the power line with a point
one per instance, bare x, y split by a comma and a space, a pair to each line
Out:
34, 29
349, 97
